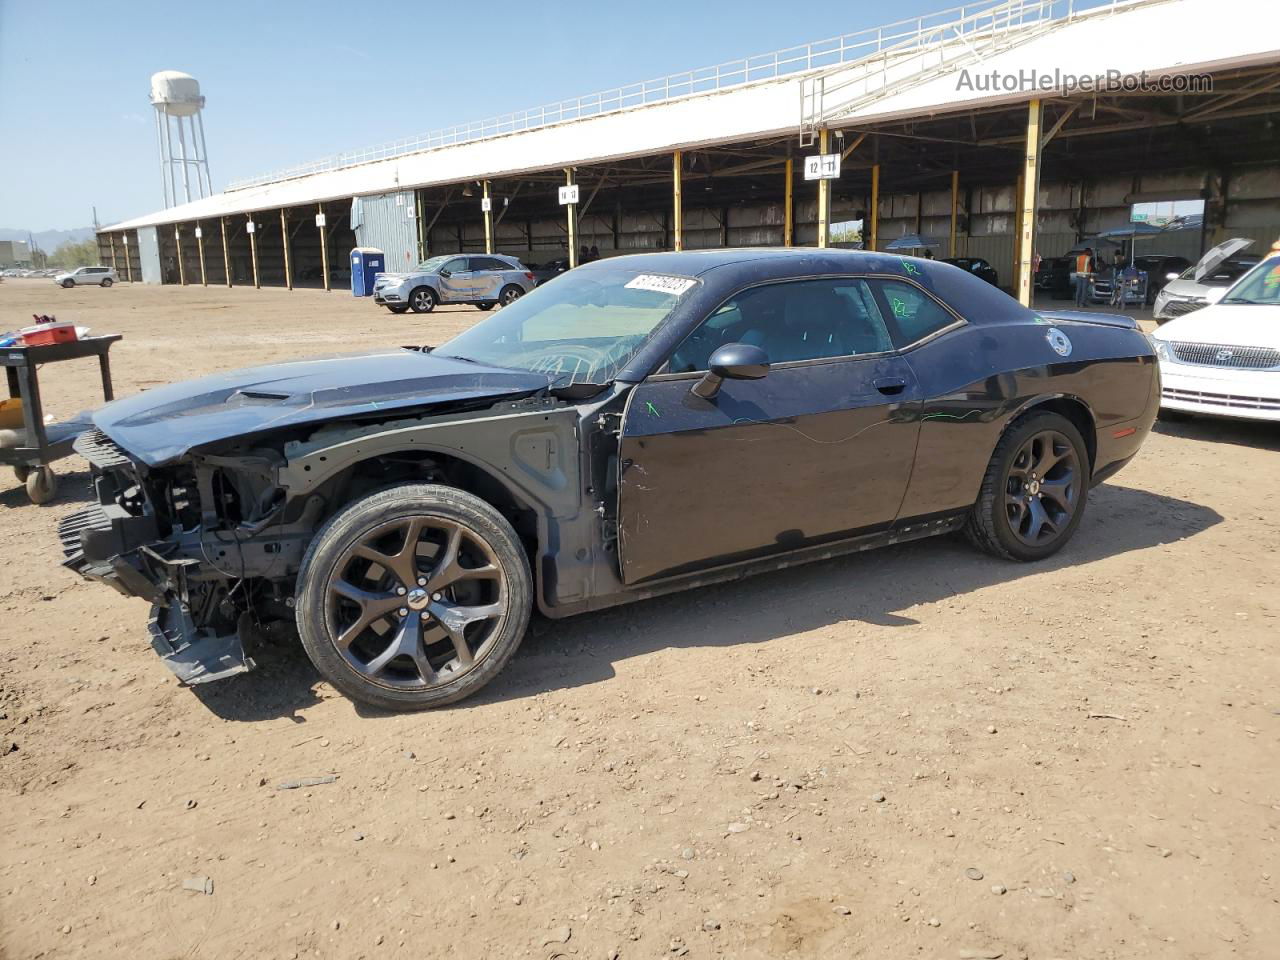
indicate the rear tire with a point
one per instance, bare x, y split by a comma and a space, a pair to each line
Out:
1035, 489
107, 282
510, 294
422, 300
367, 606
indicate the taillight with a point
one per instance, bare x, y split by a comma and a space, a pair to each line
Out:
528, 275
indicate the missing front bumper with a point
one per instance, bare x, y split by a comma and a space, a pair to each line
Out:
195, 654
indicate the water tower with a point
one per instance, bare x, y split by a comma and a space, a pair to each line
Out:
178, 102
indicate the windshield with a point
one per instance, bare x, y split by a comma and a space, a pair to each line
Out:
583, 328
1262, 286
434, 264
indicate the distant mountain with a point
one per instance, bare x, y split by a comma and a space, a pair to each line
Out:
48, 240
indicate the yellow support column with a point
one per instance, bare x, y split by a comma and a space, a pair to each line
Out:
1030, 193
284, 241
204, 279
488, 220
677, 219
955, 205
875, 207
824, 193
182, 267
253, 251
226, 251
324, 245
572, 213
788, 205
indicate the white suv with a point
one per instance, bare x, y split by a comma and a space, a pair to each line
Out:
102, 276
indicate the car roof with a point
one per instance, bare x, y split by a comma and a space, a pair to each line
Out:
782, 261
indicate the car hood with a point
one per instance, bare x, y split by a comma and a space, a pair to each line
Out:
1230, 324
161, 425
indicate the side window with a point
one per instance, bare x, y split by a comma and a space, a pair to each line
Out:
457, 265
912, 314
484, 263
791, 321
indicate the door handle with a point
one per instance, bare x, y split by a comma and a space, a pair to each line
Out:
890, 385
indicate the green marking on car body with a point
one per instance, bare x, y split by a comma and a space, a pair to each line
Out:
910, 267
653, 411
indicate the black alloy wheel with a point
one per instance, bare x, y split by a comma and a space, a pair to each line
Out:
1043, 488
1035, 489
414, 597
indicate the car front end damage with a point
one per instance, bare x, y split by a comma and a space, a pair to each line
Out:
189, 538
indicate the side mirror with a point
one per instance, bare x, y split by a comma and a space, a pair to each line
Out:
733, 361
446, 273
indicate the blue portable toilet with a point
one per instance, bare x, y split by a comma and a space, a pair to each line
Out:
366, 263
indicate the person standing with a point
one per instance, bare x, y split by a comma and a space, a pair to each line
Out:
1083, 275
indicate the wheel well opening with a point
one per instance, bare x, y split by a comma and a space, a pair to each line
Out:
420, 466
1080, 416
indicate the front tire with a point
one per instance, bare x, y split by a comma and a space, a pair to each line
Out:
68, 284
414, 597
422, 300
1035, 489
397, 307
485, 307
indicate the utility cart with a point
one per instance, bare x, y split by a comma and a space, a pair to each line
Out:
40, 443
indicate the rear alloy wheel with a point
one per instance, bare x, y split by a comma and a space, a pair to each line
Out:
414, 597
422, 300
510, 294
107, 282
1034, 492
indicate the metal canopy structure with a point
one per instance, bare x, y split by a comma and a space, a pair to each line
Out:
925, 112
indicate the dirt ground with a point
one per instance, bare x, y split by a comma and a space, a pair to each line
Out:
919, 752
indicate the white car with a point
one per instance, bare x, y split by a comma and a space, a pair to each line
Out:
1224, 360
1191, 289
102, 276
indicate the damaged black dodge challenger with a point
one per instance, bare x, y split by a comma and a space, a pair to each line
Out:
639, 425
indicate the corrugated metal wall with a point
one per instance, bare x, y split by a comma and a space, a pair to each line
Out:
389, 223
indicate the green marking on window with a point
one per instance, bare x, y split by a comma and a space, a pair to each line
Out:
899, 307
653, 411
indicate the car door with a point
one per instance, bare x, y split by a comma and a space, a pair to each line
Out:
486, 276
818, 450
455, 280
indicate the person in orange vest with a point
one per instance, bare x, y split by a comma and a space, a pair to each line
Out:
1083, 274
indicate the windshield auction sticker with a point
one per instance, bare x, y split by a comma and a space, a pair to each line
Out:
658, 283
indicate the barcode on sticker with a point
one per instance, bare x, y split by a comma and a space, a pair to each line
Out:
661, 284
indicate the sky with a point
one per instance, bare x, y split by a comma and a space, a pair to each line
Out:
287, 82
